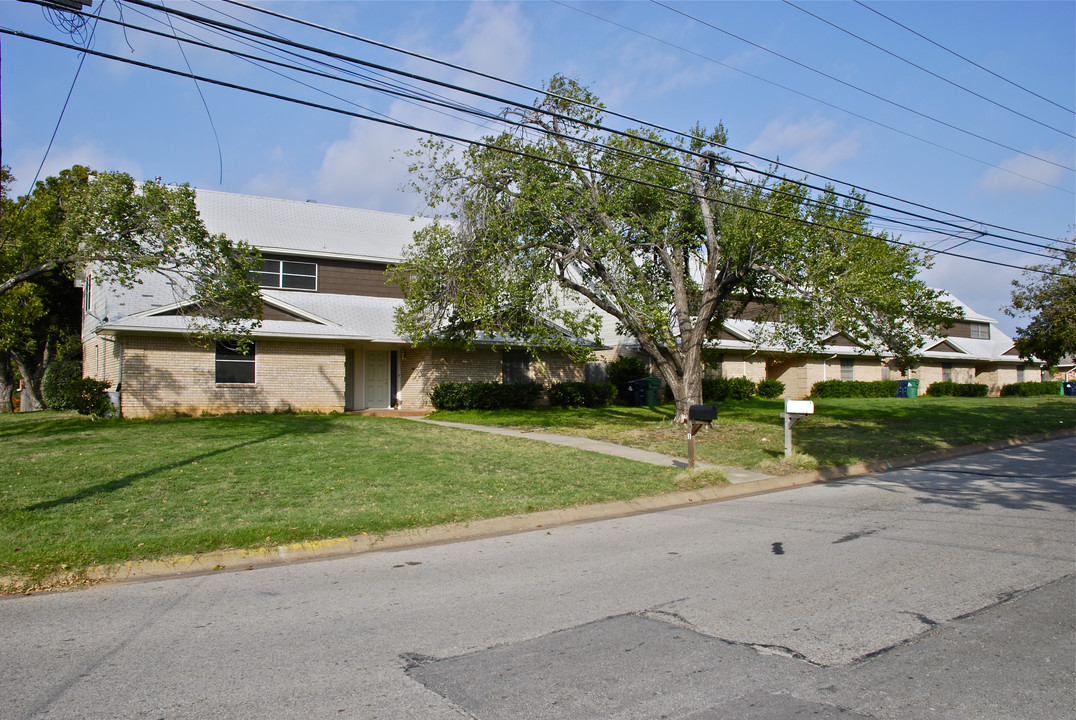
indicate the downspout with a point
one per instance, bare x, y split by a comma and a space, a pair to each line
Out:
119, 377
825, 362
753, 353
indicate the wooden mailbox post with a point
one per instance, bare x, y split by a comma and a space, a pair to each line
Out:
697, 417
795, 410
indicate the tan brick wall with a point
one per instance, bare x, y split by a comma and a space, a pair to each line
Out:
557, 368
163, 375
101, 359
797, 374
422, 369
1007, 374
748, 365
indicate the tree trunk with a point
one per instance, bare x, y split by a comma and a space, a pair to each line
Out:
7, 383
30, 398
685, 385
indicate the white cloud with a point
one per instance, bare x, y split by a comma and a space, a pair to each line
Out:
815, 144
360, 170
1023, 174
89, 154
494, 38
365, 169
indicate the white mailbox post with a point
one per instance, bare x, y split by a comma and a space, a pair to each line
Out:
795, 410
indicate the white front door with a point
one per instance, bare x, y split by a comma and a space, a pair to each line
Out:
377, 379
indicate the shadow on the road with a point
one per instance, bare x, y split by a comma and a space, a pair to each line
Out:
1025, 478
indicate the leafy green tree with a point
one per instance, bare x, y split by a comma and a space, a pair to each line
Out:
558, 221
107, 228
1047, 296
39, 325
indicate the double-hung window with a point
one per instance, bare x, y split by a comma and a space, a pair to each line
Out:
515, 367
848, 370
289, 275
233, 366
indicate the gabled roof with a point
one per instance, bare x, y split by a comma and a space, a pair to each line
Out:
308, 228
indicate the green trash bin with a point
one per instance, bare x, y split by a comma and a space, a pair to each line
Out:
913, 388
653, 390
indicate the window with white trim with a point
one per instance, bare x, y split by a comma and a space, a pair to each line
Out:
515, 366
848, 370
288, 275
233, 366
980, 331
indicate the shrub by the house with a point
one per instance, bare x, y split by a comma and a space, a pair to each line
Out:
56, 385
1031, 389
854, 389
952, 389
722, 389
485, 396
577, 394
715, 389
622, 371
770, 389
89, 398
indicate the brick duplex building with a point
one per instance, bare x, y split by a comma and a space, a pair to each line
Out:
328, 343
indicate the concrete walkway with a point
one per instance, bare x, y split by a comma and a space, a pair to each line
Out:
735, 475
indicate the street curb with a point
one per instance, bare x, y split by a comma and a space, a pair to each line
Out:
237, 560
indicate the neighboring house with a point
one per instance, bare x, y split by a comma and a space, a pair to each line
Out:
327, 342
974, 350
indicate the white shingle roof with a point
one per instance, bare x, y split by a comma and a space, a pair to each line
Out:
307, 228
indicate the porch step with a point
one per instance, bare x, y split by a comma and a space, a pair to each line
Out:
389, 412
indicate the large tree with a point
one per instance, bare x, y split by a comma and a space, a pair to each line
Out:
558, 219
108, 228
1047, 297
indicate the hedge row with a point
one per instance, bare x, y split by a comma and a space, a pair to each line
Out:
952, 389
578, 394
739, 388
854, 389
1030, 389
485, 396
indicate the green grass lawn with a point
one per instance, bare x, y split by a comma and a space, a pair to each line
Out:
750, 434
76, 493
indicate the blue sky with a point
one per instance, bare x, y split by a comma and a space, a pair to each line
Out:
785, 85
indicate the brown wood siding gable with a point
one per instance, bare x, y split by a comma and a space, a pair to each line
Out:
962, 329
944, 347
273, 313
350, 277
840, 340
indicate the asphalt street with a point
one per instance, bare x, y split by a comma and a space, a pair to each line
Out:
944, 591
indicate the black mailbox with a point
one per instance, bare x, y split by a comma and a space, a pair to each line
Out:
702, 413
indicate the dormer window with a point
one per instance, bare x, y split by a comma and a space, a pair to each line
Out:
289, 275
980, 331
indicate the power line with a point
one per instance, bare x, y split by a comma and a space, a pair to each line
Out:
454, 138
869, 93
967, 60
199, 19
852, 113
73, 29
926, 70
262, 33
612, 113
